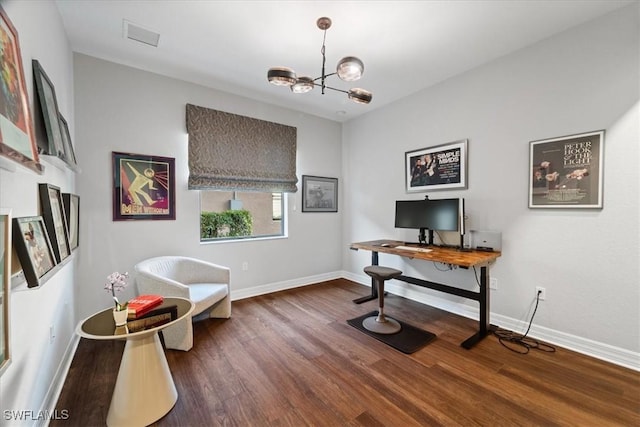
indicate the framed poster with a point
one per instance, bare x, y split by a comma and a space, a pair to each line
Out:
50, 114
441, 167
55, 220
319, 194
144, 187
5, 280
17, 139
72, 211
31, 241
566, 172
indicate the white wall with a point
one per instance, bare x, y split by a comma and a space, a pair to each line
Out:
582, 80
124, 109
36, 360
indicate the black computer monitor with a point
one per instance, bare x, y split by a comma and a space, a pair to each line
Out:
431, 215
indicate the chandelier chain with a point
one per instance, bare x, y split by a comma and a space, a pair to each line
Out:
324, 59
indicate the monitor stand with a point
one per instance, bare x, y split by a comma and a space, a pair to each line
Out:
462, 248
422, 237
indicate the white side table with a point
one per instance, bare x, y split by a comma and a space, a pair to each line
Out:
144, 390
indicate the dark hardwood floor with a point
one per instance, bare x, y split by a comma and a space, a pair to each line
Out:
290, 359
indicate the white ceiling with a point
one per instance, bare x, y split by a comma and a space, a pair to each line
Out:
406, 46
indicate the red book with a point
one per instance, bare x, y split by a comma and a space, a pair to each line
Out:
142, 304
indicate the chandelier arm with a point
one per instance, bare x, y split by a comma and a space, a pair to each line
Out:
325, 76
337, 90
329, 87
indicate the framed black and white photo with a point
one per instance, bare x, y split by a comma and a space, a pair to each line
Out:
441, 167
69, 153
55, 220
72, 212
567, 171
31, 241
319, 194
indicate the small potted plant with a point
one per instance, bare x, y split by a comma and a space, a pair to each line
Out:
117, 282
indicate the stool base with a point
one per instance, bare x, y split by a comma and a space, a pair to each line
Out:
386, 325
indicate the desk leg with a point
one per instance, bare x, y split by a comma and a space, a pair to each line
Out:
144, 390
374, 287
484, 310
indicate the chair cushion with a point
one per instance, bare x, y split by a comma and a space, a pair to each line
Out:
382, 273
204, 295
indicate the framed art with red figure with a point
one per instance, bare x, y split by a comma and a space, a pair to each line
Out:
17, 139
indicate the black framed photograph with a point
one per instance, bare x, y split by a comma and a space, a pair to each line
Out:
32, 245
144, 187
48, 101
5, 286
17, 138
69, 153
319, 194
567, 171
72, 211
55, 220
441, 167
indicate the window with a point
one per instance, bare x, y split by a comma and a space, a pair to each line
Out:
233, 215
276, 199
241, 166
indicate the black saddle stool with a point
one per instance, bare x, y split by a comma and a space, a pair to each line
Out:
381, 324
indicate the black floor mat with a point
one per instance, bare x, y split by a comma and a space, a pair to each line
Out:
409, 340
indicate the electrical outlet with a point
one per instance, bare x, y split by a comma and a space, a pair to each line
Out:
541, 293
245, 266
493, 283
52, 334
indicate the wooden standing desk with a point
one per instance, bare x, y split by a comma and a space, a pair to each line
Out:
463, 259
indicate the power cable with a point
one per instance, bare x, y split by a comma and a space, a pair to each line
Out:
521, 343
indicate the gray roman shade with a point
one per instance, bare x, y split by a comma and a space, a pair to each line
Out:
232, 152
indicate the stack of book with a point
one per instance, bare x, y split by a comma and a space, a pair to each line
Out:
144, 313
142, 304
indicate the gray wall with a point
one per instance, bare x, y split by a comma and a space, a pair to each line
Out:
582, 80
119, 108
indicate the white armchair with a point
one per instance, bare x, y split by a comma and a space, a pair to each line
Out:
204, 283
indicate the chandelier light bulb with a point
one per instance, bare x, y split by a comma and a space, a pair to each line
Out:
302, 85
350, 69
360, 96
281, 76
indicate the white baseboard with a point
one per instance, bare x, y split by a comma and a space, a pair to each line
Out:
55, 388
281, 286
598, 350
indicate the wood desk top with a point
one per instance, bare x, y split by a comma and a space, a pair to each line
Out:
437, 254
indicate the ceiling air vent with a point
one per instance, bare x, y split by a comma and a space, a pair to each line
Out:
136, 32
